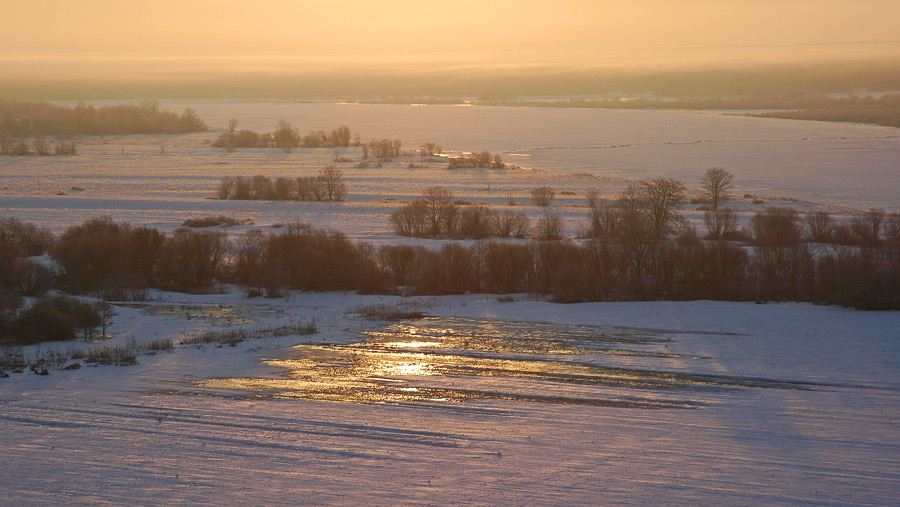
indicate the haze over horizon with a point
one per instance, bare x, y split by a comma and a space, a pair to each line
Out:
167, 41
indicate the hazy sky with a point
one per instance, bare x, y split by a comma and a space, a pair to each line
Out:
517, 31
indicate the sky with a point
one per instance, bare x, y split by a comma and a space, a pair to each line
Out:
391, 28
161, 38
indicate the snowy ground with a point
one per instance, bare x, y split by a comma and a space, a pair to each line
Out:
781, 404
852, 165
482, 402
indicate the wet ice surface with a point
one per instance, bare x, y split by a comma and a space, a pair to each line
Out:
449, 360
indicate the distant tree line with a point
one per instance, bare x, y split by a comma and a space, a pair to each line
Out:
384, 149
285, 136
481, 159
884, 110
327, 185
22, 119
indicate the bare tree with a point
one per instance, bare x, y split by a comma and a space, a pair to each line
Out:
105, 310
309, 188
720, 223
632, 199
286, 136
340, 137
224, 189
40, 146
542, 196
892, 228
819, 226
549, 227
441, 211
776, 227
332, 180
410, 220
662, 198
510, 224
867, 227
716, 183
232, 124
603, 215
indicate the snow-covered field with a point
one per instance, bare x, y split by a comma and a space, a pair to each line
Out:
682, 403
844, 164
482, 401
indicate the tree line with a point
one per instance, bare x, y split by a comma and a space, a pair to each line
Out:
285, 136
327, 185
22, 119
634, 247
780, 261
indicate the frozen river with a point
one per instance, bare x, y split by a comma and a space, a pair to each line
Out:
851, 165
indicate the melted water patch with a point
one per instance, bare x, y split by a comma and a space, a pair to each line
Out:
217, 313
445, 360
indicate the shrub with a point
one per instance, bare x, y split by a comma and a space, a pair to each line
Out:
399, 261
867, 227
819, 226
190, 259
309, 189
306, 259
508, 224
476, 222
101, 254
507, 267
720, 223
542, 196
26, 237
53, 319
775, 227
410, 219
30, 278
220, 220
549, 228
383, 148
64, 149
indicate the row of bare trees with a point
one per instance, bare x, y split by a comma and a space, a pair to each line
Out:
101, 255
480, 159
285, 136
436, 214
37, 146
327, 185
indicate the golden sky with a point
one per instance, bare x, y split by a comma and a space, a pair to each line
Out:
265, 32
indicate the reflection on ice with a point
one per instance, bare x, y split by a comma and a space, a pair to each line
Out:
456, 359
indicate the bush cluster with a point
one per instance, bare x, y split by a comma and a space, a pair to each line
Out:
436, 214
101, 255
285, 136
384, 149
56, 318
481, 159
327, 185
